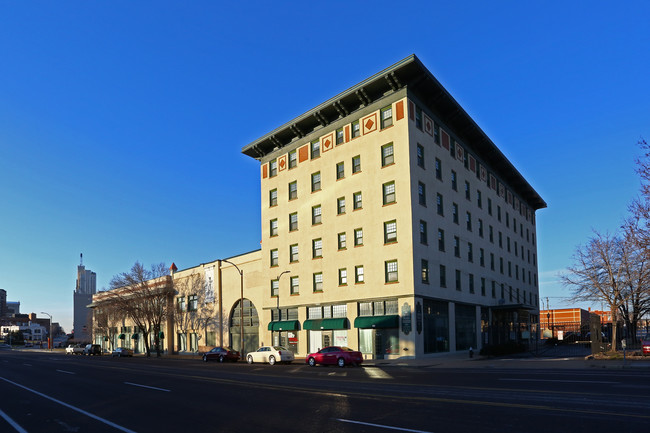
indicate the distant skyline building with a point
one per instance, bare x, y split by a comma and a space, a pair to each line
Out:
83, 294
3, 302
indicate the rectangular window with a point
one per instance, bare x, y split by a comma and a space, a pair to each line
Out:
273, 197
389, 192
343, 277
425, 271
387, 156
358, 274
467, 191
494, 289
356, 164
273, 168
482, 286
340, 205
441, 240
468, 220
458, 280
391, 271
192, 303
422, 194
274, 257
293, 190
454, 212
471, 283
275, 288
470, 252
181, 303
342, 241
340, 171
355, 128
358, 237
273, 227
293, 159
420, 155
315, 182
489, 202
293, 221
339, 136
491, 233
454, 181
390, 232
418, 117
293, 253
358, 202
295, 285
438, 169
491, 261
456, 246
423, 232
386, 116
318, 282
436, 133
315, 149
316, 215
443, 276
480, 227
439, 205
479, 199
481, 257
317, 248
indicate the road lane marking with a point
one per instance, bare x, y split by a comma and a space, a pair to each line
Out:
558, 380
376, 373
69, 406
12, 423
66, 372
28, 365
145, 386
381, 426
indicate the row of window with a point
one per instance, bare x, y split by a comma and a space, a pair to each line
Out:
443, 139
192, 303
385, 119
527, 297
317, 280
368, 308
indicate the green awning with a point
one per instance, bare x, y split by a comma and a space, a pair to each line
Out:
161, 335
377, 322
284, 325
121, 336
135, 336
318, 324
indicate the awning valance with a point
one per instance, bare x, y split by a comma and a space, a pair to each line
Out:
121, 336
317, 324
284, 325
377, 322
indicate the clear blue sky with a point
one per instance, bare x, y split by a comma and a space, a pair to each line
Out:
121, 123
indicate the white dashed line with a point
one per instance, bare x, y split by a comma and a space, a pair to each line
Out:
66, 372
381, 426
12, 423
145, 386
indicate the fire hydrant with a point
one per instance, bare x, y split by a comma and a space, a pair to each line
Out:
471, 352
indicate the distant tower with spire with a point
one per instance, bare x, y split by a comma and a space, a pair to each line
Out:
83, 296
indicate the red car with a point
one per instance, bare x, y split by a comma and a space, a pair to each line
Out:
335, 355
645, 347
221, 354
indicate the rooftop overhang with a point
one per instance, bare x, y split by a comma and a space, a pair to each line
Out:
408, 73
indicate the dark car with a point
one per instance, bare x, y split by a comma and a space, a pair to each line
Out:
92, 349
221, 354
335, 355
122, 351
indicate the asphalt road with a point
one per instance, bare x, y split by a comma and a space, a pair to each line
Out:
51, 392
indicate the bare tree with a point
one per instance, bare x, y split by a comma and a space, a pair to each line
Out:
145, 296
598, 274
106, 319
197, 310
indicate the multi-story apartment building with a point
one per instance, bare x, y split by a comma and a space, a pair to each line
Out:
392, 223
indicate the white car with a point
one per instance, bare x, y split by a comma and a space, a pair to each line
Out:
270, 354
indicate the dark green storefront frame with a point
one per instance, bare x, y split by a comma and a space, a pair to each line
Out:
377, 322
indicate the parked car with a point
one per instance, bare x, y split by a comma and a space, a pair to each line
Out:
92, 349
221, 354
75, 349
5, 346
270, 354
645, 347
335, 355
122, 351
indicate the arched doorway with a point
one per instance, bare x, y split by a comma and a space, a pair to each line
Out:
251, 327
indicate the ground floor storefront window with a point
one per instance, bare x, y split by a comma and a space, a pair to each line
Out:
379, 342
181, 342
288, 339
436, 326
465, 326
325, 338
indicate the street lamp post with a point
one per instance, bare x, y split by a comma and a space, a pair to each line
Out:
51, 336
278, 306
241, 306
